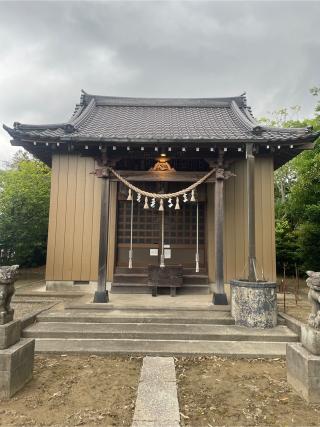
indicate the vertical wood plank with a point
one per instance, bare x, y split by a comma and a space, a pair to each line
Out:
61, 218
70, 219
52, 226
240, 224
78, 223
87, 220
95, 230
230, 231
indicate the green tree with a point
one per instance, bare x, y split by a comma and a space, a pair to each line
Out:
24, 210
297, 199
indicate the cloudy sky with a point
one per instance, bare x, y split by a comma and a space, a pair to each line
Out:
51, 50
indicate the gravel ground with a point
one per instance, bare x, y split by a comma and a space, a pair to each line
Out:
215, 391
74, 391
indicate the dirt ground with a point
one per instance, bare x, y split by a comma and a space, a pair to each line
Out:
215, 391
74, 391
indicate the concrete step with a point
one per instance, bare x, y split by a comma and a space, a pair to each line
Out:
143, 288
163, 331
240, 349
139, 315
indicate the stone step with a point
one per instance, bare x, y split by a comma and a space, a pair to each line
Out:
158, 331
240, 349
138, 315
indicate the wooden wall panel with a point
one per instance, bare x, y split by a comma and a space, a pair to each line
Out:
95, 230
235, 230
87, 219
61, 218
52, 217
74, 220
70, 215
80, 176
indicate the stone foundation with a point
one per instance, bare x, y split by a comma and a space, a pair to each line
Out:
254, 304
303, 372
16, 366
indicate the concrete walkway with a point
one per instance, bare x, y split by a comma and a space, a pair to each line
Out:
157, 402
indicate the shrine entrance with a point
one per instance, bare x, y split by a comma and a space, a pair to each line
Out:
180, 235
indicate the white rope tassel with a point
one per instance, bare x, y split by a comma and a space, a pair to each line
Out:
131, 234
177, 207
193, 199
146, 206
197, 250
129, 195
161, 205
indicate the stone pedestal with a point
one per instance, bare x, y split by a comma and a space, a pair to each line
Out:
303, 360
303, 372
16, 355
9, 334
254, 304
16, 366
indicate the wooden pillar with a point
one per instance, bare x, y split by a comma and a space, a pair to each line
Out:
101, 294
219, 296
252, 270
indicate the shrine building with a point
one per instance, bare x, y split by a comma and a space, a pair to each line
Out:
139, 182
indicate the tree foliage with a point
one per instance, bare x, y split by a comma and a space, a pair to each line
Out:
297, 199
24, 211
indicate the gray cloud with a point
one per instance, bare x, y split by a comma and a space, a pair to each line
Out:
50, 50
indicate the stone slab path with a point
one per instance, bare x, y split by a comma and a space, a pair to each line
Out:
157, 401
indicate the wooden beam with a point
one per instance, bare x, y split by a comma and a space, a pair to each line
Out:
252, 271
101, 294
219, 295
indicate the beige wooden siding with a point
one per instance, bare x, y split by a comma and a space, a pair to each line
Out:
74, 221
235, 229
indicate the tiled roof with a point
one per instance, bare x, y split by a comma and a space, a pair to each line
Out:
160, 119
